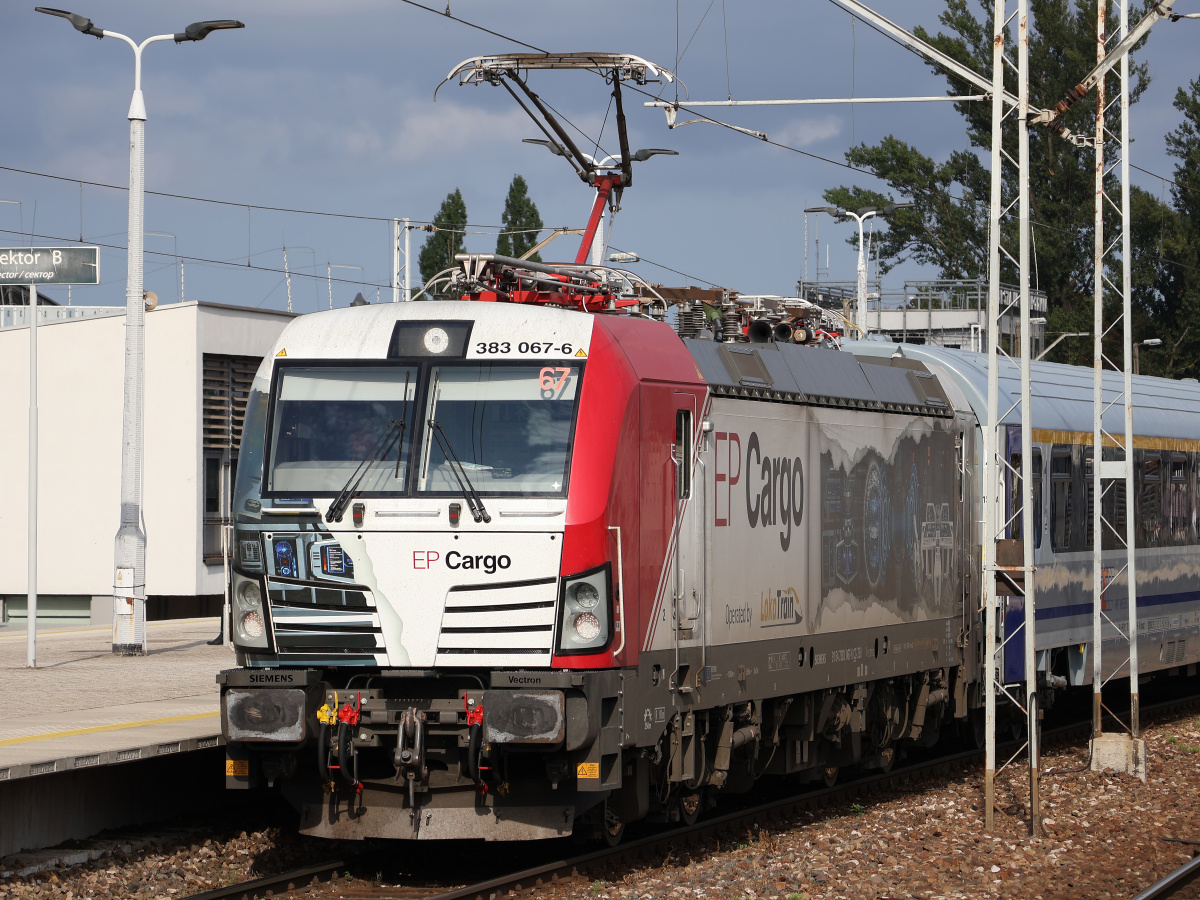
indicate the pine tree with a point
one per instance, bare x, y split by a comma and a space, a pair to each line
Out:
521, 222
441, 246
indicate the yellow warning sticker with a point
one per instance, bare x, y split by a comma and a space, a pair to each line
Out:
282, 352
580, 352
237, 767
588, 770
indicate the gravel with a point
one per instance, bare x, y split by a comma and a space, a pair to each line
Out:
171, 863
1106, 837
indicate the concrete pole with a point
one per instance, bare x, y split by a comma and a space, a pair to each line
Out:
287, 275
860, 312
31, 601
395, 260
129, 595
407, 259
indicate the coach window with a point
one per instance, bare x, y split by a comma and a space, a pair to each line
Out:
1112, 505
1179, 500
1016, 499
1061, 490
1089, 488
1150, 507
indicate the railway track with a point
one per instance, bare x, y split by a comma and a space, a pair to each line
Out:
751, 819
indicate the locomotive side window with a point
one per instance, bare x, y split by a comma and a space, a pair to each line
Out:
1061, 490
327, 420
510, 426
683, 454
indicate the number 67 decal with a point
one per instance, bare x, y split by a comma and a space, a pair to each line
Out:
552, 379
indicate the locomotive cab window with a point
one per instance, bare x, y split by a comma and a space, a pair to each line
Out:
510, 428
1061, 490
683, 454
328, 421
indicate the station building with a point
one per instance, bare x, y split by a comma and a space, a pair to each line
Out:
200, 361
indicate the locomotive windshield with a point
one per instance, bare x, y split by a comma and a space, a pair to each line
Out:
326, 421
510, 426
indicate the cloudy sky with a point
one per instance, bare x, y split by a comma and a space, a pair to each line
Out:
328, 107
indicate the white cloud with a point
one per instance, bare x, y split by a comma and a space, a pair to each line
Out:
805, 132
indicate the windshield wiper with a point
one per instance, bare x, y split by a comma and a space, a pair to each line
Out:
350, 489
474, 502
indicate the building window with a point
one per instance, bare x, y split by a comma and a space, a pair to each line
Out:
225, 390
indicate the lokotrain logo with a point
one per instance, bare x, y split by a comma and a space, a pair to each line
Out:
779, 497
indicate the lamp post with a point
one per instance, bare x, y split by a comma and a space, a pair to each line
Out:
1062, 337
1149, 342
129, 581
861, 216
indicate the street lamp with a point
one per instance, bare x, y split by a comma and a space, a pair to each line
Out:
1149, 342
129, 582
860, 314
1058, 340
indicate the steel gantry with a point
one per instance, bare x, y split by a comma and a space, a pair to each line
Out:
1125, 752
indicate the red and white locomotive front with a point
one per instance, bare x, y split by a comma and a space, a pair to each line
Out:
452, 521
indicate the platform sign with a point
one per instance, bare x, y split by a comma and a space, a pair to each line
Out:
50, 265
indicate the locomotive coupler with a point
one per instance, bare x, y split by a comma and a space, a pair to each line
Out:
410, 751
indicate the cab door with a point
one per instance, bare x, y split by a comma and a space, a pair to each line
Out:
673, 533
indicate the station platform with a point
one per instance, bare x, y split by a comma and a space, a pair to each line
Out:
84, 707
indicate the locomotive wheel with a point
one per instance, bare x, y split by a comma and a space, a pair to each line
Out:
829, 776
887, 759
612, 830
689, 808
978, 725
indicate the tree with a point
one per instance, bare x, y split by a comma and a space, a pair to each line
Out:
1166, 254
949, 227
521, 222
441, 246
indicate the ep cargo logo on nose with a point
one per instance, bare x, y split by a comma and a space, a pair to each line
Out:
424, 559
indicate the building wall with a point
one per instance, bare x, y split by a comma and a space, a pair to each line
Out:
80, 382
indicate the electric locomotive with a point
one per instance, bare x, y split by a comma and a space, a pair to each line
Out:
513, 570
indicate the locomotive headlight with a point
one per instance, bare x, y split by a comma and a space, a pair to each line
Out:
584, 594
585, 617
249, 617
586, 627
436, 340
249, 595
252, 624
